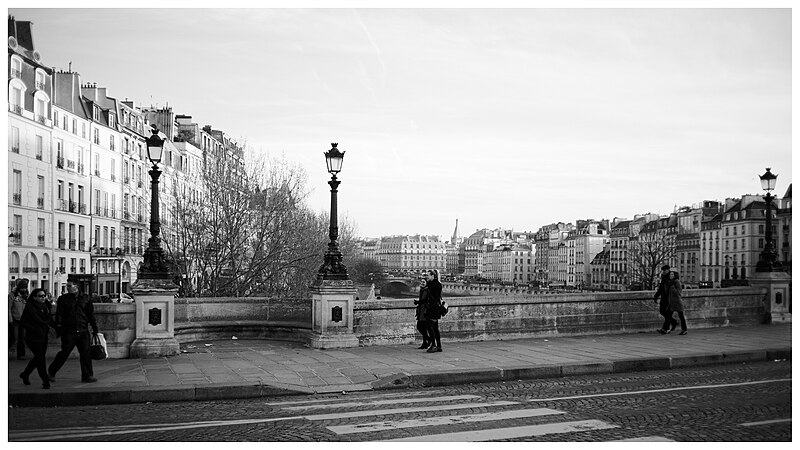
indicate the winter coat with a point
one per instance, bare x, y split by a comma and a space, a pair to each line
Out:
662, 293
16, 305
675, 302
74, 314
434, 311
422, 303
37, 320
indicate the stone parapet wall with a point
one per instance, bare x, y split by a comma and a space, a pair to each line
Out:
469, 318
519, 316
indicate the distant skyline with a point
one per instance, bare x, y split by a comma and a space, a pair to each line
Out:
512, 118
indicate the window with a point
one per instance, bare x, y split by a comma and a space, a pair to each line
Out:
40, 79
39, 147
111, 143
83, 130
13, 138
40, 228
97, 236
17, 187
74, 126
111, 124
96, 136
40, 193
16, 67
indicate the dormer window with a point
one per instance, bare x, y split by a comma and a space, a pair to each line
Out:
95, 113
111, 120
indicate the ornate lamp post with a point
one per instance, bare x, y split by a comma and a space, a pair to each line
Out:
332, 268
153, 266
768, 259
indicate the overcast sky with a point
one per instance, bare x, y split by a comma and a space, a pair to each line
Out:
510, 118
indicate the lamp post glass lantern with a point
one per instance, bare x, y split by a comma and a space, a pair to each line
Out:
153, 266
332, 267
768, 260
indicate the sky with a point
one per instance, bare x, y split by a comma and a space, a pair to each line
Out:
498, 117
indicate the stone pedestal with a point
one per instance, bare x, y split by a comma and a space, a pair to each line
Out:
778, 300
155, 319
332, 314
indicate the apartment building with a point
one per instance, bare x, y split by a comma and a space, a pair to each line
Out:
71, 182
30, 160
412, 253
590, 239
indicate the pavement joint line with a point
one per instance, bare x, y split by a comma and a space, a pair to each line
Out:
764, 422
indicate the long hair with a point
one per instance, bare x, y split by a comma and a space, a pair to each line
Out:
435, 273
32, 296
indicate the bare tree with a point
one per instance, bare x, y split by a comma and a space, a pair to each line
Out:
250, 234
647, 253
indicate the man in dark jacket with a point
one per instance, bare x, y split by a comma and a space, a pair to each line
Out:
663, 306
74, 314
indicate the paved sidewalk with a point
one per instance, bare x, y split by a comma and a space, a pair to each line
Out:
254, 368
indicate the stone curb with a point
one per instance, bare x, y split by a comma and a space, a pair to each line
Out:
226, 391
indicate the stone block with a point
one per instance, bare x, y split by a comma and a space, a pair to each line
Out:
587, 368
221, 391
157, 394
529, 373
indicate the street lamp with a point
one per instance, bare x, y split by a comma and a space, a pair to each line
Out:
332, 268
153, 266
767, 261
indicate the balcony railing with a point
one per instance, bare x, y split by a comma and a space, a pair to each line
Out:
16, 109
80, 168
138, 217
61, 204
113, 213
70, 164
82, 208
60, 162
40, 85
82, 245
83, 269
139, 183
45, 270
72, 244
97, 210
39, 156
127, 180
13, 269
15, 149
40, 240
62, 244
72, 269
30, 269
72, 206
62, 269
16, 237
16, 73
105, 212
96, 172
113, 177
17, 198
126, 215
41, 119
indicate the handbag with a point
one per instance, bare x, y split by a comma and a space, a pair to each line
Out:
98, 349
443, 309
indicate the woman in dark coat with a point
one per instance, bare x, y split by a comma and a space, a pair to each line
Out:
433, 313
422, 306
674, 290
37, 320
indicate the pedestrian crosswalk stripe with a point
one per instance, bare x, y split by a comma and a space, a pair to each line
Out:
511, 433
647, 439
383, 412
432, 400
337, 399
373, 427
764, 422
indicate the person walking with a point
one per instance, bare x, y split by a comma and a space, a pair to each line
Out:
433, 312
74, 315
674, 290
662, 298
37, 320
16, 305
422, 305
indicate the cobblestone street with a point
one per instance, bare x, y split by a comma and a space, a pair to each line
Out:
745, 402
